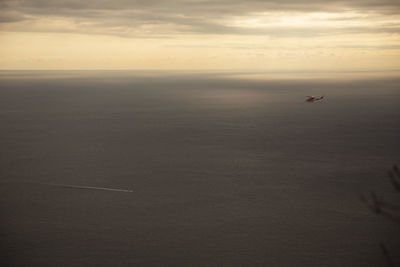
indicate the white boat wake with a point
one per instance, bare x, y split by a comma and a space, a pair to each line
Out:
89, 187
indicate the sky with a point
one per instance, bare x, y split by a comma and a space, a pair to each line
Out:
271, 35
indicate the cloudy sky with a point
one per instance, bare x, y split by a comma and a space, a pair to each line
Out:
200, 34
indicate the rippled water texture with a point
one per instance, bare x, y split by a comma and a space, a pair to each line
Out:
208, 169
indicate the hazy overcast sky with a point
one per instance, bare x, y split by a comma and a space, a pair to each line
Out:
200, 34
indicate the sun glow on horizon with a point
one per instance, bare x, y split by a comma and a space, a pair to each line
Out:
138, 39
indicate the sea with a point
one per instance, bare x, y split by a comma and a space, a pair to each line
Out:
198, 168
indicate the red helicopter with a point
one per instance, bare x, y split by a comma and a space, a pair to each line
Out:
313, 98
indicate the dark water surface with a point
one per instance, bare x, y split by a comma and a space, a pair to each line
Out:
224, 171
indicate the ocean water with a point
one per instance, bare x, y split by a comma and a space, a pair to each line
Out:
222, 169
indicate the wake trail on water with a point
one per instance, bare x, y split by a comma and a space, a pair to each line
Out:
89, 187
79, 187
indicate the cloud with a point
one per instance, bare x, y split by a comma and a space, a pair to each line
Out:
7, 17
157, 18
206, 7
